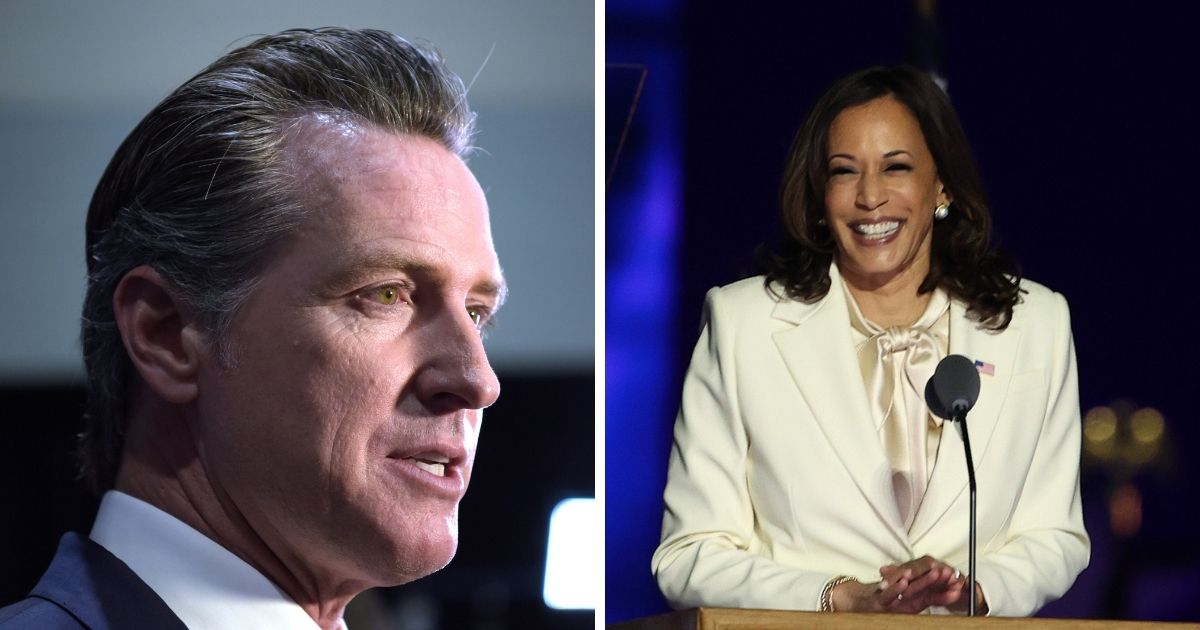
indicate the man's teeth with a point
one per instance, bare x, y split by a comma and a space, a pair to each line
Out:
433, 468
882, 229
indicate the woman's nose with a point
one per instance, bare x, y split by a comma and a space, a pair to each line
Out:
871, 193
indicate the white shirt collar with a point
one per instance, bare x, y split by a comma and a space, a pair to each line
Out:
204, 584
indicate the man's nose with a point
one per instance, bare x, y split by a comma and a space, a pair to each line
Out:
871, 192
457, 374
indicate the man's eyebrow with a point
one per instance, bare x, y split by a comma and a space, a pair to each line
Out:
496, 290
358, 268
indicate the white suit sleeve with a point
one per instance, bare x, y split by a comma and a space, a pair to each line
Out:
707, 556
1046, 545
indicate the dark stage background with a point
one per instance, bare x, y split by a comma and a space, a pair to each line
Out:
1084, 126
495, 581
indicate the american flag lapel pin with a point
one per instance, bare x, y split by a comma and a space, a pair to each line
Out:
985, 368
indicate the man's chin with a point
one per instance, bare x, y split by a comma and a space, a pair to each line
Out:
420, 555
409, 571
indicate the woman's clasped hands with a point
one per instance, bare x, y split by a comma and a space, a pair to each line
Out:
910, 587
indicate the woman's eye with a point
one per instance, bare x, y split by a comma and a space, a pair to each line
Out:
839, 170
899, 167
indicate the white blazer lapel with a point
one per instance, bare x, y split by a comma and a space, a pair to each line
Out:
819, 354
949, 481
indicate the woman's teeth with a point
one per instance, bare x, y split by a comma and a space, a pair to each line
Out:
876, 231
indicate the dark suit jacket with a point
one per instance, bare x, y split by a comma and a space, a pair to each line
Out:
88, 587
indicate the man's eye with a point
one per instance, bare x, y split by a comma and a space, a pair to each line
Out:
385, 295
478, 316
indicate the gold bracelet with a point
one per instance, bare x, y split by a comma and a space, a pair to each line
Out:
827, 592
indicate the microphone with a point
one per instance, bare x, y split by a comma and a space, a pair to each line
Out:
950, 394
954, 388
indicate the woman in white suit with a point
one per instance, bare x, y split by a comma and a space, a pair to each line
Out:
807, 472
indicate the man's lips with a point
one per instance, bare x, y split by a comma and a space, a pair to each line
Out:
438, 467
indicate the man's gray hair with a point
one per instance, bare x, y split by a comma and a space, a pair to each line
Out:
200, 191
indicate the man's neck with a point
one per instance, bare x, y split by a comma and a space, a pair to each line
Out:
162, 468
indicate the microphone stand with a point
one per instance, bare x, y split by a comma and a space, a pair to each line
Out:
961, 417
950, 394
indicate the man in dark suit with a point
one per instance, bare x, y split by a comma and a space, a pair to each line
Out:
289, 268
88, 587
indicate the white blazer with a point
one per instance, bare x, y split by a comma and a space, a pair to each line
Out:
778, 481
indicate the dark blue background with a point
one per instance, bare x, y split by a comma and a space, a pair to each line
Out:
1084, 124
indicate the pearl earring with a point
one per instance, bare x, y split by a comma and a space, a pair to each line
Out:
941, 212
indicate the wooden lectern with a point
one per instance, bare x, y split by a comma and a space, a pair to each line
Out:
743, 619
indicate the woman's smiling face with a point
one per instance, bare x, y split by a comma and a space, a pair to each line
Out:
880, 194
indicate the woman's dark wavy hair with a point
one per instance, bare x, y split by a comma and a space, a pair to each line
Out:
964, 261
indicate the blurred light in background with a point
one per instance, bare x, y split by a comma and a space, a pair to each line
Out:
573, 556
1124, 439
644, 222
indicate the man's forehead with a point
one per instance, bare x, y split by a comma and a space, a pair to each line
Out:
319, 147
378, 200
330, 156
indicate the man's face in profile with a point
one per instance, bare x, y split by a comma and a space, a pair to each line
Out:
344, 426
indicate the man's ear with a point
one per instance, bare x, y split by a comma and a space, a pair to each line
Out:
163, 342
